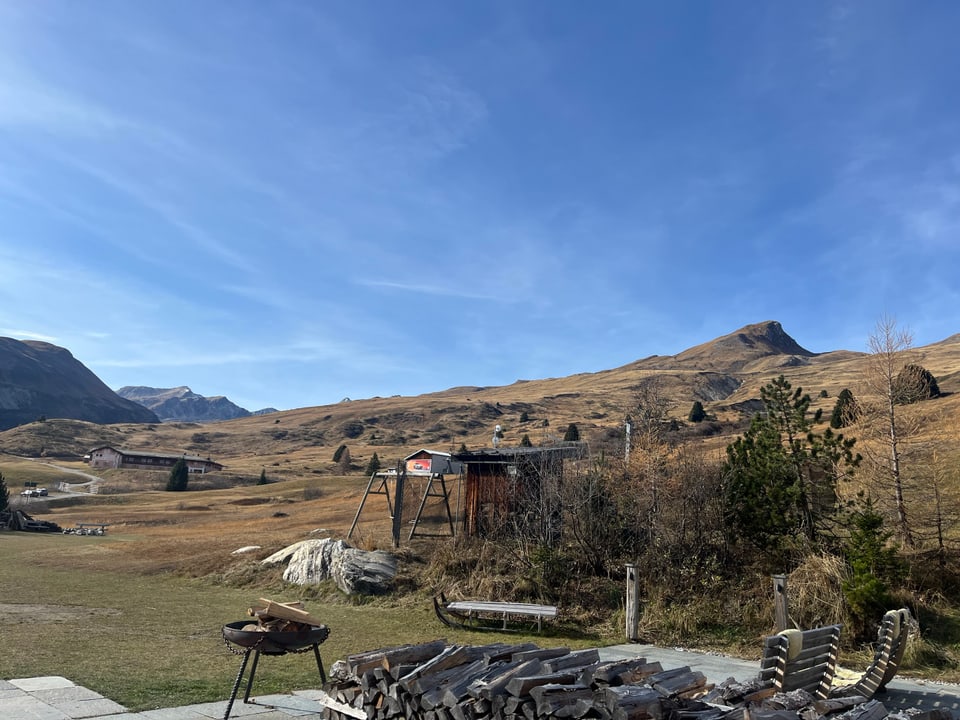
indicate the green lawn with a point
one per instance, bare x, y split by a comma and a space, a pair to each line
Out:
149, 641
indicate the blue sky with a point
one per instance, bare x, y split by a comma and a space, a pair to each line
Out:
290, 203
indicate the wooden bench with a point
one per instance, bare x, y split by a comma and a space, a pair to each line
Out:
469, 613
801, 660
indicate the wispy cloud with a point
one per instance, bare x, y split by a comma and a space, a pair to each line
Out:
26, 335
443, 291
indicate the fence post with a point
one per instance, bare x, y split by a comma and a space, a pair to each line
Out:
633, 603
781, 604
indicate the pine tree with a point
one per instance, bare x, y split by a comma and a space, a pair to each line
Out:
845, 410
373, 465
874, 565
338, 453
572, 434
524, 416
697, 413
525, 441
343, 463
179, 476
781, 475
4, 494
263, 477
915, 383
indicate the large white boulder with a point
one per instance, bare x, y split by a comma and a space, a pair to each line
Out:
354, 571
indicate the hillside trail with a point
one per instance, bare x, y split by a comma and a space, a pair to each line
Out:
89, 486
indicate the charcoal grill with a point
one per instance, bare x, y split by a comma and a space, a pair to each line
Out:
270, 642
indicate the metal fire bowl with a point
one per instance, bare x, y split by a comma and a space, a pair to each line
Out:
274, 642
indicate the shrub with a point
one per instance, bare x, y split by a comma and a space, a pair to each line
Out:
572, 434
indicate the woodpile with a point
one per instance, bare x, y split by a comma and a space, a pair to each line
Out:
437, 681
273, 616
19, 520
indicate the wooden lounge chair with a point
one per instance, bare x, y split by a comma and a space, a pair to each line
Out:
891, 643
801, 660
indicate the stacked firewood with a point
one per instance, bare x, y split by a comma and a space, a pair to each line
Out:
280, 617
437, 681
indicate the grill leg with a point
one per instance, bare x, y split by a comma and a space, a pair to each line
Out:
316, 652
236, 685
253, 671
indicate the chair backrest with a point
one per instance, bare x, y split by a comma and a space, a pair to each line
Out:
801, 659
896, 653
891, 643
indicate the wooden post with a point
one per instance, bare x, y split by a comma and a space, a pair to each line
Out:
633, 603
398, 503
780, 603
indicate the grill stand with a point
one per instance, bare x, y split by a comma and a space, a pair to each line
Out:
253, 670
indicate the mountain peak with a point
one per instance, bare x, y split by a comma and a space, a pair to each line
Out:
743, 346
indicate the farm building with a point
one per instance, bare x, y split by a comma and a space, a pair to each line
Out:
110, 457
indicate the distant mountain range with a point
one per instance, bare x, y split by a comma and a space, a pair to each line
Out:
724, 374
181, 404
39, 380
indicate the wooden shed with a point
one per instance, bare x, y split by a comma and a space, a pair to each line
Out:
511, 491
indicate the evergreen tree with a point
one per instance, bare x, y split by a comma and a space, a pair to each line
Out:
4, 494
524, 417
263, 477
373, 465
338, 453
915, 383
463, 449
781, 475
572, 434
845, 410
525, 441
697, 413
344, 462
874, 566
179, 476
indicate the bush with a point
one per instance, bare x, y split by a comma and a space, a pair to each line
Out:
572, 434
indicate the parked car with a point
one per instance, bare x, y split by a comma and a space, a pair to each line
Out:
41, 492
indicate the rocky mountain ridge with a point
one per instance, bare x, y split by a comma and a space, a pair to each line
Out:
181, 404
725, 375
42, 380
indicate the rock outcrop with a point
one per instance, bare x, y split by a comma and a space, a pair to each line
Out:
354, 571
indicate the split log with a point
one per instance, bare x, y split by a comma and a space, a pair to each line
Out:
359, 663
872, 710
631, 702
450, 657
521, 686
559, 700
497, 684
677, 682
577, 659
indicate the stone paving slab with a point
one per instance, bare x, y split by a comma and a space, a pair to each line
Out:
49, 682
